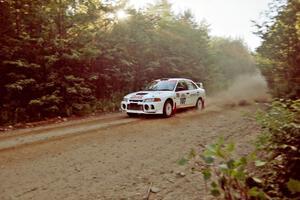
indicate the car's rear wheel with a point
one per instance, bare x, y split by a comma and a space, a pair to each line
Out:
132, 114
200, 104
168, 109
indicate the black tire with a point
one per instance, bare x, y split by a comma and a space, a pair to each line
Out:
132, 114
200, 104
168, 109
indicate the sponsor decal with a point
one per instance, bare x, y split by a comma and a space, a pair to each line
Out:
182, 100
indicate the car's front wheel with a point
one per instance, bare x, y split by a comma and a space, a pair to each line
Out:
168, 109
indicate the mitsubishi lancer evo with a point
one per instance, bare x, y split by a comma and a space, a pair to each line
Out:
165, 96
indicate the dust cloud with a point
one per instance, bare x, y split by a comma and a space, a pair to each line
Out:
245, 90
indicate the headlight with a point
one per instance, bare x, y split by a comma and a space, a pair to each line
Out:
152, 100
125, 99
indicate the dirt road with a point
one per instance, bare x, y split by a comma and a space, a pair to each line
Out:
119, 162
117, 158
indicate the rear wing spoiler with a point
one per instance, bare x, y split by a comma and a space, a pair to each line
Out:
199, 84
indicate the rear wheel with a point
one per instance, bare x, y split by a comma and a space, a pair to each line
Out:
200, 104
168, 109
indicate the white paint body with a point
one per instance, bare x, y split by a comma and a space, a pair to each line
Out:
137, 102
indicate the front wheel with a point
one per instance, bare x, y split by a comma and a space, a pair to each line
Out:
200, 104
168, 109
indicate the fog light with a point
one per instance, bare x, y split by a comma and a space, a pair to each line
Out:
124, 106
146, 107
152, 107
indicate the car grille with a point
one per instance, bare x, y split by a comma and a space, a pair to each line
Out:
136, 100
134, 106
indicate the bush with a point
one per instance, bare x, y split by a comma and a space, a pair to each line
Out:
228, 176
281, 137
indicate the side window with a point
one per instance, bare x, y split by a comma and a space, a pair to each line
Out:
191, 86
181, 86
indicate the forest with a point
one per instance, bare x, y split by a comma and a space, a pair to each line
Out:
75, 57
61, 58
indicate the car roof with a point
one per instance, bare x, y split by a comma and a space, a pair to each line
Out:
175, 79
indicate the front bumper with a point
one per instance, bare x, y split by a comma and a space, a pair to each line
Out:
142, 107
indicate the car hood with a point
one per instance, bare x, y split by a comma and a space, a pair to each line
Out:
141, 95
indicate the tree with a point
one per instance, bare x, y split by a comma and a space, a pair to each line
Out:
46, 54
279, 54
231, 58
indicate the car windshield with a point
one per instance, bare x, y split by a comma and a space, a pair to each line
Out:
165, 85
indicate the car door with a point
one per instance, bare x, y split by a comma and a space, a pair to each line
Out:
193, 93
182, 93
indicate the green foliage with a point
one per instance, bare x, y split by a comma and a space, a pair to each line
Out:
231, 58
227, 175
293, 186
278, 56
109, 104
182, 161
281, 137
45, 56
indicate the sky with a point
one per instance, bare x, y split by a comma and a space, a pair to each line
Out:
227, 18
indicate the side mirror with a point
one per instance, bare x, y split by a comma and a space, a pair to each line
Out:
200, 85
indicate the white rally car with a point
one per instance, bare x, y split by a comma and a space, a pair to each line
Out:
164, 96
